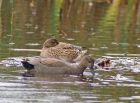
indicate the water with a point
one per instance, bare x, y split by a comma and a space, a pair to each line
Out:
108, 29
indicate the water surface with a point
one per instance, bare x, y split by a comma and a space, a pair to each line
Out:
107, 28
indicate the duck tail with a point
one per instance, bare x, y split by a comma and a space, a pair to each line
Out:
27, 65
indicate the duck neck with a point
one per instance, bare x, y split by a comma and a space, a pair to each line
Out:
83, 63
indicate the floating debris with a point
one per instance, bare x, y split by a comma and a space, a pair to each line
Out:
119, 63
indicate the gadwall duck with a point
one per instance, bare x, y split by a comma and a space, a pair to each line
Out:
56, 66
60, 50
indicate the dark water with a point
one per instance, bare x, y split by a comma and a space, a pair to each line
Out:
107, 28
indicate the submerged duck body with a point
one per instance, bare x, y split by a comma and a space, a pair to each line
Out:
57, 66
60, 50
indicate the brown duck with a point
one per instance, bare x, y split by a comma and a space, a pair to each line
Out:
60, 50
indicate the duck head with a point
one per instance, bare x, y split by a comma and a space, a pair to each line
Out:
87, 61
50, 43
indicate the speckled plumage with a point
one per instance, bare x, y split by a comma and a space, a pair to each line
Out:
60, 50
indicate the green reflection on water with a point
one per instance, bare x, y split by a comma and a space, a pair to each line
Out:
56, 16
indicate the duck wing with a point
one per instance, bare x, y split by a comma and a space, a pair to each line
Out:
68, 46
